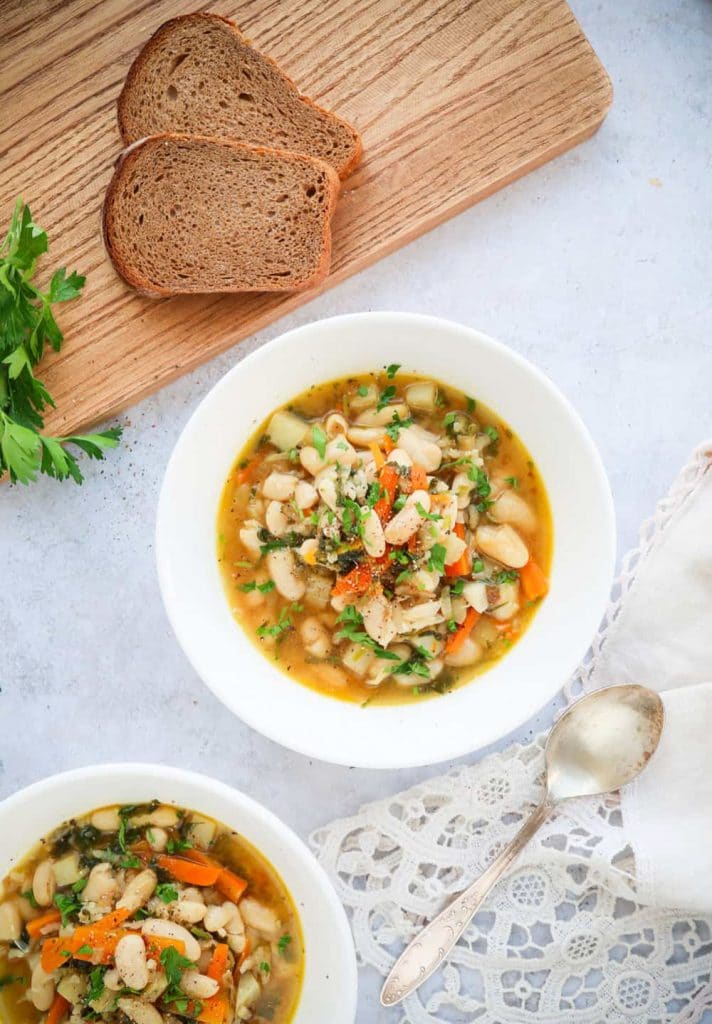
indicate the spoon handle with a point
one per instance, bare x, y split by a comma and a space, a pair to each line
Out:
430, 947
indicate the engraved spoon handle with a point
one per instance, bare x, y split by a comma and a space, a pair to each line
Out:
430, 947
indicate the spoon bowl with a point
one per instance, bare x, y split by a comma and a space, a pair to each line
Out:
603, 741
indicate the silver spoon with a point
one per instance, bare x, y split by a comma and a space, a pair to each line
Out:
601, 743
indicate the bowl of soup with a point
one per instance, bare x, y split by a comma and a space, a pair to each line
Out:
385, 540
156, 896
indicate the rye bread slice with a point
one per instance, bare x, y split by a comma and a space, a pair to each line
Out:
187, 214
199, 75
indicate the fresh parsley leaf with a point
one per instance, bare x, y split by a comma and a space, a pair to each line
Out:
283, 625
176, 845
174, 964
248, 587
492, 433
385, 397
30, 897
351, 622
422, 511
396, 425
96, 984
373, 494
284, 943
392, 370
67, 905
264, 967
265, 588
27, 325
436, 558
506, 576
269, 543
478, 565
471, 404
457, 587
85, 950
512, 481
319, 440
167, 893
11, 979
362, 390
399, 503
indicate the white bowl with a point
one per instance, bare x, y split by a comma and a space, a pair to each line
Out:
329, 989
472, 715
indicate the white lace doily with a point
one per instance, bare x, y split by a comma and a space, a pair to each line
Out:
561, 940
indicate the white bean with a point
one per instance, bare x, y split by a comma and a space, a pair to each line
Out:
305, 495
339, 450
67, 869
315, 637
157, 837
318, 591
502, 543
357, 659
400, 458
189, 911
106, 820
130, 957
378, 621
380, 417
422, 395
511, 508
250, 540
198, 986
261, 918
44, 884
462, 488
171, 930
403, 525
311, 460
325, 483
507, 602
112, 980
362, 401
276, 519
216, 917
467, 654
282, 567
279, 486
41, 989
373, 537
454, 548
138, 891
362, 436
102, 887
139, 1012
421, 450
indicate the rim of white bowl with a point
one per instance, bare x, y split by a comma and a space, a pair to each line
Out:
337, 751
294, 846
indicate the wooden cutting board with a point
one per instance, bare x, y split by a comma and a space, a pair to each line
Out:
454, 98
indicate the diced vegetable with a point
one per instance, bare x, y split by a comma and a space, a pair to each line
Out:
58, 1010
188, 871
463, 565
357, 581
287, 431
455, 640
422, 396
231, 885
533, 581
35, 926
216, 1009
388, 479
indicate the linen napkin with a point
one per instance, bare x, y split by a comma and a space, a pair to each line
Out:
590, 926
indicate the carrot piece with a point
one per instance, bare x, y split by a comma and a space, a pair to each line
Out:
108, 923
215, 1009
417, 481
357, 581
58, 1010
35, 926
455, 640
155, 944
54, 953
245, 474
388, 479
97, 947
534, 582
189, 871
388, 444
463, 565
378, 455
230, 885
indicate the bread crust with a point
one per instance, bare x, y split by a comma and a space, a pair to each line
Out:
155, 41
151, 290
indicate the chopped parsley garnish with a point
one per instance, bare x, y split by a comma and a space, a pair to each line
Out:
436, 558
264, 967
269, 543
449, 419
351, 622
319, 440
385, 397
432, 516
176, 845
96, 984
167, 893
506, 576
284, 944
362, 390
85, 950
399, 503
396, 425
392, 370
67, 906
492, 433
352, 518
30, 897
264, 588
11, 979
457, 587
283, 625
373, 494
471, 404
513, 481
451, 626
174, 964
478, 565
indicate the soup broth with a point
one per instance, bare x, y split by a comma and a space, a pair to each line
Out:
384, 538
147, 914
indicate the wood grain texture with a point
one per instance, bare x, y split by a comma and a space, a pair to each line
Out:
454, 99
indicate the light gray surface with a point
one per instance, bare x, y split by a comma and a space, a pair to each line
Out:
598, 267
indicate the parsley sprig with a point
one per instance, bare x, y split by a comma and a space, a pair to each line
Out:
27, 324
351, 621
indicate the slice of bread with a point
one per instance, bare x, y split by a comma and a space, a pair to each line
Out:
199, 75
189, 214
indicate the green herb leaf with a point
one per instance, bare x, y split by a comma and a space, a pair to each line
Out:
174, 965
96, 984
167, 893
436, 558
319, 440
396, 425
67, 905
362, 390
392, 370
512, 481
386, 396
284, 943
457, 587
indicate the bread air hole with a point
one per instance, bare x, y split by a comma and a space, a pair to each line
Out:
246, 97
176, 62
310, 190
172, 93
